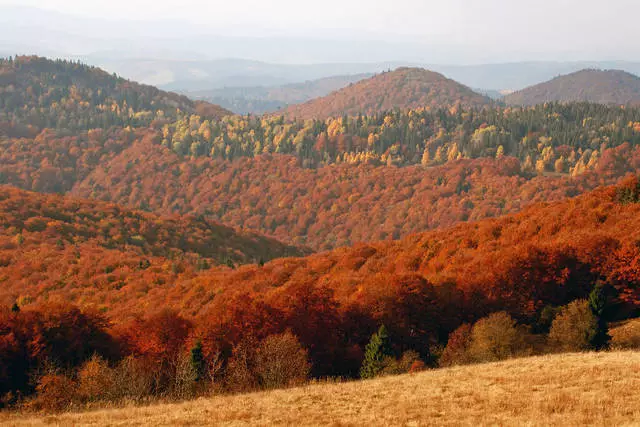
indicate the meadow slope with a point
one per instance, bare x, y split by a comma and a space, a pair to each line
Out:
566, 389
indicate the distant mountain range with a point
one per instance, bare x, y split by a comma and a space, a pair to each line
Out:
205, 75
265, 99
175, 57
602, 87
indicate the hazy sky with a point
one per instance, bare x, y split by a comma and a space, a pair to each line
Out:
503, 20
587, 29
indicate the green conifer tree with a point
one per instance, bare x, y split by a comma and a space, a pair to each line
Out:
378, 349
598, 304
197, 361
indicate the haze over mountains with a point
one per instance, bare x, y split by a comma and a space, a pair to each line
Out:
176, 56
261, 99
186, 76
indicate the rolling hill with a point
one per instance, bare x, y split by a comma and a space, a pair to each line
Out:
41, 93
273, 195
56, 242
548, 254
402, 89
555, 390
406, 171
157, 309
612, 87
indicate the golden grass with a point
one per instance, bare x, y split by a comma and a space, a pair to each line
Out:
563, 390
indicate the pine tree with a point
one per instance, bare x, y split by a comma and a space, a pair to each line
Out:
598, 304
197, 361
378, 349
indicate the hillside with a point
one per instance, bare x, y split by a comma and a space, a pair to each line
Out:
52, 242
40, 93
406, 171
402, 89
266, 99
147, 314
547, 255
611, 87
557, 390
323, 207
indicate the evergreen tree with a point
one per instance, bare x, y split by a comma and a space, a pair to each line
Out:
546, 318
378, 349
598, 304
15, 308
197, 361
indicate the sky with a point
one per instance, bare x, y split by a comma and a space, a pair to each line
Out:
532, 29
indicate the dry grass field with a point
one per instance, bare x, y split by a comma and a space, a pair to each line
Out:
568, 389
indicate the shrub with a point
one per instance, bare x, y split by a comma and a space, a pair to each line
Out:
457, 350
240, 375
409, 362
133, 379
575, 328
95, 379
497, 337
626, 336
54, 393
281, 362
185, 378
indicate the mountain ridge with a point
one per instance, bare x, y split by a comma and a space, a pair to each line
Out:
613, 87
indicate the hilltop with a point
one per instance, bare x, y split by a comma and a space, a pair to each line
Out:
402, 89
41, 93
564, 389
599, 86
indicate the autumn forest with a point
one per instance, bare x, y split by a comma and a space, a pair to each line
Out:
155, 247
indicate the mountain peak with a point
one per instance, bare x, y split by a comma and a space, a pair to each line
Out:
614, 87
403, 88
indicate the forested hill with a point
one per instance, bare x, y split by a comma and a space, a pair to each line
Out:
471, 165
309, 183
611, 87
37, 93
402, 89
31, 222
423, 286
